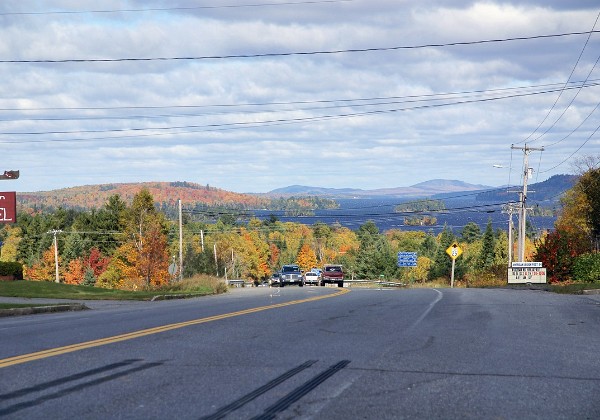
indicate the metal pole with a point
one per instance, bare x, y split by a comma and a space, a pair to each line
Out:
452, 275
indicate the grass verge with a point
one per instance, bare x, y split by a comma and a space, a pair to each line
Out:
573, 288
197, 286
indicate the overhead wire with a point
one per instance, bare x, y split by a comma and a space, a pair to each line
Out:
171, 9
565, 85
293, 53
252, 124
346, 101
573, 154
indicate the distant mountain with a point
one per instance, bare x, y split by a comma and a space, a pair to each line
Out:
447, 185
423, 189
164, 193
304, 190
549, 190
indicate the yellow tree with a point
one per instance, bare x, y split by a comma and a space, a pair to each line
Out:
573, 218
8, 251
341, 242
254, 254
421, 271
145, 253
307, 258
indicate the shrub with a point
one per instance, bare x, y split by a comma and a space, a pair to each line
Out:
198, 283
11, 268
586, 268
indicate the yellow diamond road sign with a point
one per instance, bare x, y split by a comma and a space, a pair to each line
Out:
454, 251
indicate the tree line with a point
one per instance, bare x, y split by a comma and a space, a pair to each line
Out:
132, 246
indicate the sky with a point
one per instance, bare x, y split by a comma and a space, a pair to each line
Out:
254, 95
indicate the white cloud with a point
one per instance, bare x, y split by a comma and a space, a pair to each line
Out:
288, 102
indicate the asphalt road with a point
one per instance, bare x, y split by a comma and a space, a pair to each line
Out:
284, 353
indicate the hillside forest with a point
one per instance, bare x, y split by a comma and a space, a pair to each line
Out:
130, 245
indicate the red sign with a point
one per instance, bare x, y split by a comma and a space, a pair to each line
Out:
8, 207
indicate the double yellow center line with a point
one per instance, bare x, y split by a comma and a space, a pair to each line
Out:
25, 358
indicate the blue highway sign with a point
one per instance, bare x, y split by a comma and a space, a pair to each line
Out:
407, 259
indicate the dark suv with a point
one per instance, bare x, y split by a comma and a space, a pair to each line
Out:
290, 274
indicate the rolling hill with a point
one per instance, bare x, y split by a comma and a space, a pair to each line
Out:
95, 196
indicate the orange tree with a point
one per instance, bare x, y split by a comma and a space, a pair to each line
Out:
307, 258
144, 251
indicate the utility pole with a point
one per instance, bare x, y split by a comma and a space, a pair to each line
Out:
527, 173
510, 208
216, 262
180, 243
55, 232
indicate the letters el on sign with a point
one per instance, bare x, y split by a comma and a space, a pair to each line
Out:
8, 207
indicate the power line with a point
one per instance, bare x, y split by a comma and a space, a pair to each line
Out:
251, 124
566, 83
328, 104
592, 82
296, 53
169, 9
573, 154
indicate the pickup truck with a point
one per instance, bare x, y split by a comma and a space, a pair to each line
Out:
332, 273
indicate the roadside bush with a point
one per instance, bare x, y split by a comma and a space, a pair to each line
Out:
12, 268
198, 283
486, 279
586, 268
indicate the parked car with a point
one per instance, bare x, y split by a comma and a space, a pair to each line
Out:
274, 280
332, 273
310, 277
291, 274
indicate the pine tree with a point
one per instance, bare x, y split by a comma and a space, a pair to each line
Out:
486, 257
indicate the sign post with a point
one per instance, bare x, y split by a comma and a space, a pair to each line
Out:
523, 272
454, 251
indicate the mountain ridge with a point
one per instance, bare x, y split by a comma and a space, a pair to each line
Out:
167, 193
422, 189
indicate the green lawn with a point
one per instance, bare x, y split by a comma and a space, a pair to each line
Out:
574, 288
51, 290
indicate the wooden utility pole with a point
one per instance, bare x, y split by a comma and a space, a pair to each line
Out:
55, 241
510, 208
527, 173
180, 243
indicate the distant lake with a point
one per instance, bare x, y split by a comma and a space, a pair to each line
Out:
355, 212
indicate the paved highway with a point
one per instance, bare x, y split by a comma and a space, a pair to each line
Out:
309, 353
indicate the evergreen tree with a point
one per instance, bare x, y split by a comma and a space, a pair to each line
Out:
470, 232
486, 257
